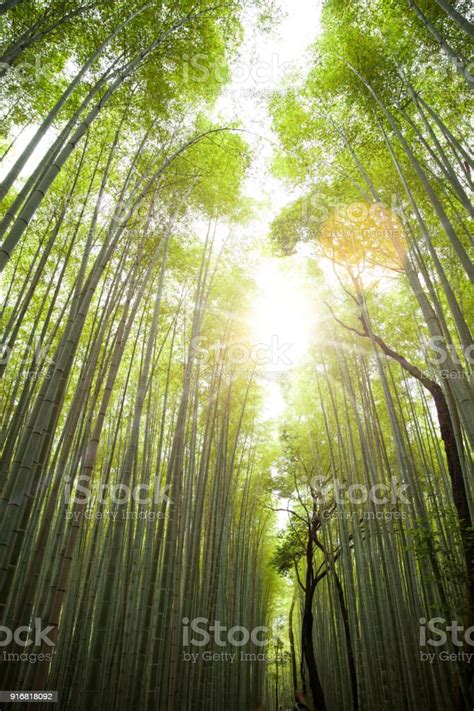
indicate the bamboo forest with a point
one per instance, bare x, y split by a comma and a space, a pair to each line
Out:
237, 395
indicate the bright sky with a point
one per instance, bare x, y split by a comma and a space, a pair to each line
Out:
264, 64
282, 312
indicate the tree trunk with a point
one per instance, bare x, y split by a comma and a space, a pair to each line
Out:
453, 458
310, 659
291, 636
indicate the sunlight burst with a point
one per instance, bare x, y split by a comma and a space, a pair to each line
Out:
282, 316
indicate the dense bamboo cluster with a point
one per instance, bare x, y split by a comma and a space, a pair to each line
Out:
378, 132
140, 483
128, 453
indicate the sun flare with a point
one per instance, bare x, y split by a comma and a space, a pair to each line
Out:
282, 318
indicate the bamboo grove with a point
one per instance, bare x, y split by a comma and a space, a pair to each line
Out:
143, 489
